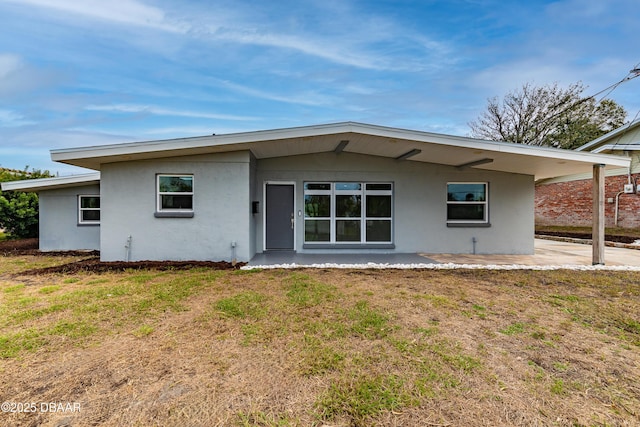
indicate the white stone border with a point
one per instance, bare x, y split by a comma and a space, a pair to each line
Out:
447, 266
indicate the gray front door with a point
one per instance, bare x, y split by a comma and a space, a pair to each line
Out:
279, 217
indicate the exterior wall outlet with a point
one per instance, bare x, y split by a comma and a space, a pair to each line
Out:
628, 188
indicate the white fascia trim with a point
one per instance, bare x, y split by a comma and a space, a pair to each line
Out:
328, 129
618, 147
51, 183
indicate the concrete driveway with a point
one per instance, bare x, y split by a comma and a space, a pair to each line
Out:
548, 252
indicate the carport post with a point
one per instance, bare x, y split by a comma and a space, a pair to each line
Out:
598, 214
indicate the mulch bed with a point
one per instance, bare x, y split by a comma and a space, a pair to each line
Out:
608, 237
94, 265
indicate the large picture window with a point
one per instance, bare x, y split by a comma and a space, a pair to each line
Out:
88, 209
175, 193
347, 212
467, 202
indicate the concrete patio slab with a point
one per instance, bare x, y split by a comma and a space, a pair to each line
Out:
547, 253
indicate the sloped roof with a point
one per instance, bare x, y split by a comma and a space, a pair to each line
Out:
52, 183
624, 138
409, 145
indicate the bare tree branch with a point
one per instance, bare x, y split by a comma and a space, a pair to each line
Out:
547, 116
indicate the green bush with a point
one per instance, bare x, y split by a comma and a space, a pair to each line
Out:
19, 210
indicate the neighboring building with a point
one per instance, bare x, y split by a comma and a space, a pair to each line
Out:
566, 200
344, 187
64, 223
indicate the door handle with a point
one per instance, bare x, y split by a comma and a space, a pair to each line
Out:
292, 220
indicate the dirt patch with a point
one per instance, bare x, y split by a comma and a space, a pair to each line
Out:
17, 247
94, 265
30, 247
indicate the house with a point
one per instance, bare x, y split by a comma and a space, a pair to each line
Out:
566, 200
335, 188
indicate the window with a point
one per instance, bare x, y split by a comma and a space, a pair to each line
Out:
175, 193
89, 209
467, 202
347, 212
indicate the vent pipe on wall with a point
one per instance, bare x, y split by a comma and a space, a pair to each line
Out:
127, 249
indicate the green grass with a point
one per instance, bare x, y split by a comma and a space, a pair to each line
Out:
364, 397
143, 331
304, 292
361, 348
85, 311
514, 329
367, 322
243, 305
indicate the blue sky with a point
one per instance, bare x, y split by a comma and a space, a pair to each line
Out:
80, 73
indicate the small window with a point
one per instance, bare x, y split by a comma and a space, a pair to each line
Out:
89, 209
175, 193
467, 202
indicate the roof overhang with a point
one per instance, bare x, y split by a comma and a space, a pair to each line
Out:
350, 137
35, 185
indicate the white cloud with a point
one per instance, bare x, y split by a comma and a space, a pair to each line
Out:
309, 98
129, 12
159, 111
9, 118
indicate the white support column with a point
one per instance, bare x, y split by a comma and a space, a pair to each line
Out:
598, 214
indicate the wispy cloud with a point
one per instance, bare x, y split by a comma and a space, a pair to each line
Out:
10, 118
129, 12
159, 111
306, 97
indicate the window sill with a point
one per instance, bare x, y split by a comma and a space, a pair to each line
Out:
349, 246
173, 214
88, 224
468, 224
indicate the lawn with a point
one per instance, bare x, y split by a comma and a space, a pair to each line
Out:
319, 347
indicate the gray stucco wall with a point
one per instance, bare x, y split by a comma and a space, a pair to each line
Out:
59, 228
420, 193
221, 210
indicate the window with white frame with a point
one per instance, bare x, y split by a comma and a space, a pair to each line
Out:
175, 193
467, 202
88, 209
348, 212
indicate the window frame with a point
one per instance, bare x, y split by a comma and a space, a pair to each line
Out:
363, 192
485, 203
159, 194
81, 220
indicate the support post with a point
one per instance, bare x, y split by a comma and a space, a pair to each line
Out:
598, 215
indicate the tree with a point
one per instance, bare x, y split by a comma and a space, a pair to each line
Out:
18, 209
547, 116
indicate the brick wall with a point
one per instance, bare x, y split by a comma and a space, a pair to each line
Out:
570, 203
